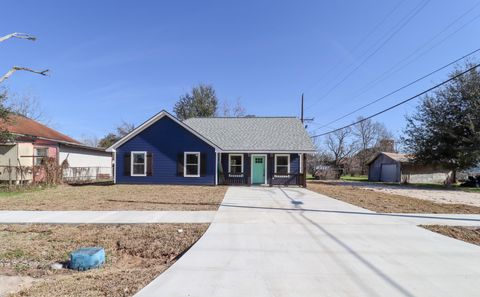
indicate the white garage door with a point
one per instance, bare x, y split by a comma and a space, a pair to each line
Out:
388, 173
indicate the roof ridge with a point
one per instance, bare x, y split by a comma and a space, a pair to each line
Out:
256, 117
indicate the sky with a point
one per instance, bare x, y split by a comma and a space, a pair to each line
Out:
114, 61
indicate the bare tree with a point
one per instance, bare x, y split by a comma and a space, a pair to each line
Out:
26, 105
92, 141
338, 144
237, 111
369, 136
124, 129
18, 68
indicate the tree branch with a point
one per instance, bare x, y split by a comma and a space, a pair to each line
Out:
17, 68
18, 35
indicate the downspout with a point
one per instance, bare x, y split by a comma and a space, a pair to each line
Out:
114, 161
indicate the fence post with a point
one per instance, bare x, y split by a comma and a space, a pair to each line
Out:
9, 173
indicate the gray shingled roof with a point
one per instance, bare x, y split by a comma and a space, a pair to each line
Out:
254, 133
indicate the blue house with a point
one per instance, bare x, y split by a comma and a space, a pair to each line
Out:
212, 151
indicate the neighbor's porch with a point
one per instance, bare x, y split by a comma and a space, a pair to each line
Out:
261, 168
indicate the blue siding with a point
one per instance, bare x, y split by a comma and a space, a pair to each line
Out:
165, 139
294, 164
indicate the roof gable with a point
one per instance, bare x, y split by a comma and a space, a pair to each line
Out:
21, 125
150, 122
402, 158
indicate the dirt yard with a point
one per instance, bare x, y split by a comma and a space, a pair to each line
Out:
467, 234
135, 255
450, 196
117, 197
384, 202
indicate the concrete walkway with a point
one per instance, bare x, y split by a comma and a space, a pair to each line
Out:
105, 217
293, 242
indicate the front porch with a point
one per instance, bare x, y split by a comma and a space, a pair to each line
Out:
260, 168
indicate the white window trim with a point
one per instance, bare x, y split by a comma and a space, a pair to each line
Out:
230, 162
145, 164
185, 164
288, 158
35, 153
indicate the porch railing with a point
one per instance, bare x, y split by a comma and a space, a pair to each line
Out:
231, 178
277, 179
281, 179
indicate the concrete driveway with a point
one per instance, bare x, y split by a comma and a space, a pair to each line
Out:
293, 242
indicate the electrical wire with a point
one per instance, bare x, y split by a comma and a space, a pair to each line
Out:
399, 89
401, 102
417, 10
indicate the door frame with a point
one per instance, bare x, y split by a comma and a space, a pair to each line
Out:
265, 158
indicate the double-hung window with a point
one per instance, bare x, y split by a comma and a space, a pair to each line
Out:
235, 164
191, 161
282, 164
40, 155
139, 164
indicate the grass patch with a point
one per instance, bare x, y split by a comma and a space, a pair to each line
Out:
359, 178
387, 203
136, 254
6, 192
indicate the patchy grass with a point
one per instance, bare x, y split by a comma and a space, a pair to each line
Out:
359, 178
117, 197
467, 234
388, 203
136, 254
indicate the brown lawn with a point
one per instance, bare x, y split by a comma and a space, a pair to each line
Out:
135, 254
467, 234
388, 203
117, 197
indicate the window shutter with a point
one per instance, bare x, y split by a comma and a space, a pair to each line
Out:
126, 164
180, 164
149, 164
203, 164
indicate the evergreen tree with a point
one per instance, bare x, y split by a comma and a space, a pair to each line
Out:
445, 130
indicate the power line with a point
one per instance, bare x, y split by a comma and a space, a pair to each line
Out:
399, 89
402, 25
397, 67
400, 103
361, 42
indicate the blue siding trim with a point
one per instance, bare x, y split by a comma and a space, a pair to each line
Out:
294, 164
165, 139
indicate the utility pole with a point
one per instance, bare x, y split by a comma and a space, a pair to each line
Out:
301, 113
303, 156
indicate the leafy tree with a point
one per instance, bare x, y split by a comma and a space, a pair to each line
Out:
108, 140
123, 129
445, 130
201, 102
5, 136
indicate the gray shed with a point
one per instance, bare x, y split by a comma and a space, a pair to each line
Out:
393, 167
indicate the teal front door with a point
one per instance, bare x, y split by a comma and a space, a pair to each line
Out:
258, 170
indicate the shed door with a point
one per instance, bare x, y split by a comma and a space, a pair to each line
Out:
388, 173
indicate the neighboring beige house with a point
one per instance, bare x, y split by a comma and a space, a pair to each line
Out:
34, 142
393, 167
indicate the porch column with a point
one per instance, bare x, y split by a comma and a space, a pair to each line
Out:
216, 168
